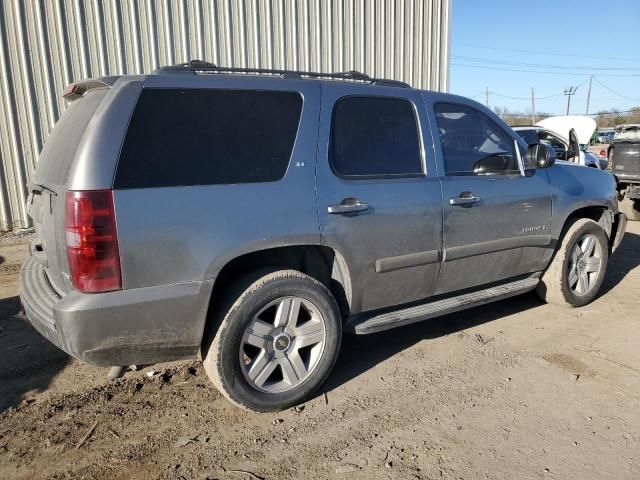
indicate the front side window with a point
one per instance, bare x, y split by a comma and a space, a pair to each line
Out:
374, 136
180, 137
472, 143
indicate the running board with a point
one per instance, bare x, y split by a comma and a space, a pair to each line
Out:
362, 325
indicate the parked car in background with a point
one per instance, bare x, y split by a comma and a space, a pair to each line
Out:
606, 137
624, 163
566, 148
253, 216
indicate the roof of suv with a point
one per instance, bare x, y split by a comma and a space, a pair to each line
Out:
202, 67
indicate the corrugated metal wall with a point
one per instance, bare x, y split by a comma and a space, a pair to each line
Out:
47, 44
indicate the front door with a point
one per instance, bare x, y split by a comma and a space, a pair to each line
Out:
379, 197
497, 211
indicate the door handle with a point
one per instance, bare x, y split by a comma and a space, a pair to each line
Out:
348, 205
465, 199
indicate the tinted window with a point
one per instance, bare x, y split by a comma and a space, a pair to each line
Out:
204, 137
374, 136
57, 156
472, 142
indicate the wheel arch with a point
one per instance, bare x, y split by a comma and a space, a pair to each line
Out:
323, 263
601, 214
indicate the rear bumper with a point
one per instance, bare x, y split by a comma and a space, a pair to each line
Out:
127, 327
633, 192
627, 177
618, 230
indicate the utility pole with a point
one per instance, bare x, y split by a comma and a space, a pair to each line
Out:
568, 91
589, 93
533, 106
486, 97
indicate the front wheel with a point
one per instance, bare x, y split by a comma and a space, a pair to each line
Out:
577, 270
277, 343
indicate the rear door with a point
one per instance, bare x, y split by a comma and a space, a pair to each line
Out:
379, 196
496, 211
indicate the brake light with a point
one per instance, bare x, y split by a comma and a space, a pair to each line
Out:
92, 241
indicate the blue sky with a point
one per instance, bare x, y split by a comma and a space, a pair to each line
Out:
572, 39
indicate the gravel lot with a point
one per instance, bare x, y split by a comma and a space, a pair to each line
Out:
515, 389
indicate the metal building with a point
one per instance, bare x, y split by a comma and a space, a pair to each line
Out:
47, 44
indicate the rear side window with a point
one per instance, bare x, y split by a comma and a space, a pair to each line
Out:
374, 136
179, 137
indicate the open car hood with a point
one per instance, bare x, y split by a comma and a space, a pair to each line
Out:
583, 125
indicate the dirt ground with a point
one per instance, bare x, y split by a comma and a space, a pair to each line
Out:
515, 389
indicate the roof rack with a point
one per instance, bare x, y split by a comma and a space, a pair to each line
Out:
200, 66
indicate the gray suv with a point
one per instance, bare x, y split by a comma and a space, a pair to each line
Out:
252, 217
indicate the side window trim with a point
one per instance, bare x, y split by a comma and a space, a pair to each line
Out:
516, 150
390, 176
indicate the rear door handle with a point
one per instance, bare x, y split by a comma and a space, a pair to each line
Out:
465, 199
348, 205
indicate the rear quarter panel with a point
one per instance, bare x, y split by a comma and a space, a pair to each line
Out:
182, 234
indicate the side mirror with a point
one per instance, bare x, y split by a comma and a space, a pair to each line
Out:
491, 165
540, 155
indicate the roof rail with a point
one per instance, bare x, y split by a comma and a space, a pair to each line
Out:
202, 67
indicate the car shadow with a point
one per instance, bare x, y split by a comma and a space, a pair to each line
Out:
28, 362
380, 346
625, 259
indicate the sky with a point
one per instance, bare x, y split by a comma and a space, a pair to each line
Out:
559, 43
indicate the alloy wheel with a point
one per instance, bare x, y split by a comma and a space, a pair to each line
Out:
282, 345
585, 264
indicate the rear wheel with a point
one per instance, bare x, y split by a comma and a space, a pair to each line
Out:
277, 342
577, 270
631, 208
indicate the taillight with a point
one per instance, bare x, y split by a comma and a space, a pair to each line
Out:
92, 241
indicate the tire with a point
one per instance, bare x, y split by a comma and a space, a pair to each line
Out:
555, 285
631, 208
239, 356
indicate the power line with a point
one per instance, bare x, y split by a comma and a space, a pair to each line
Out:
478, 94
562, 114
538, 52
528, 98
525, 98
614, 92
538, 65
541, 72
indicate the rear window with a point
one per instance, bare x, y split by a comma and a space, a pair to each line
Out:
60, 148
373, 137
179, 137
